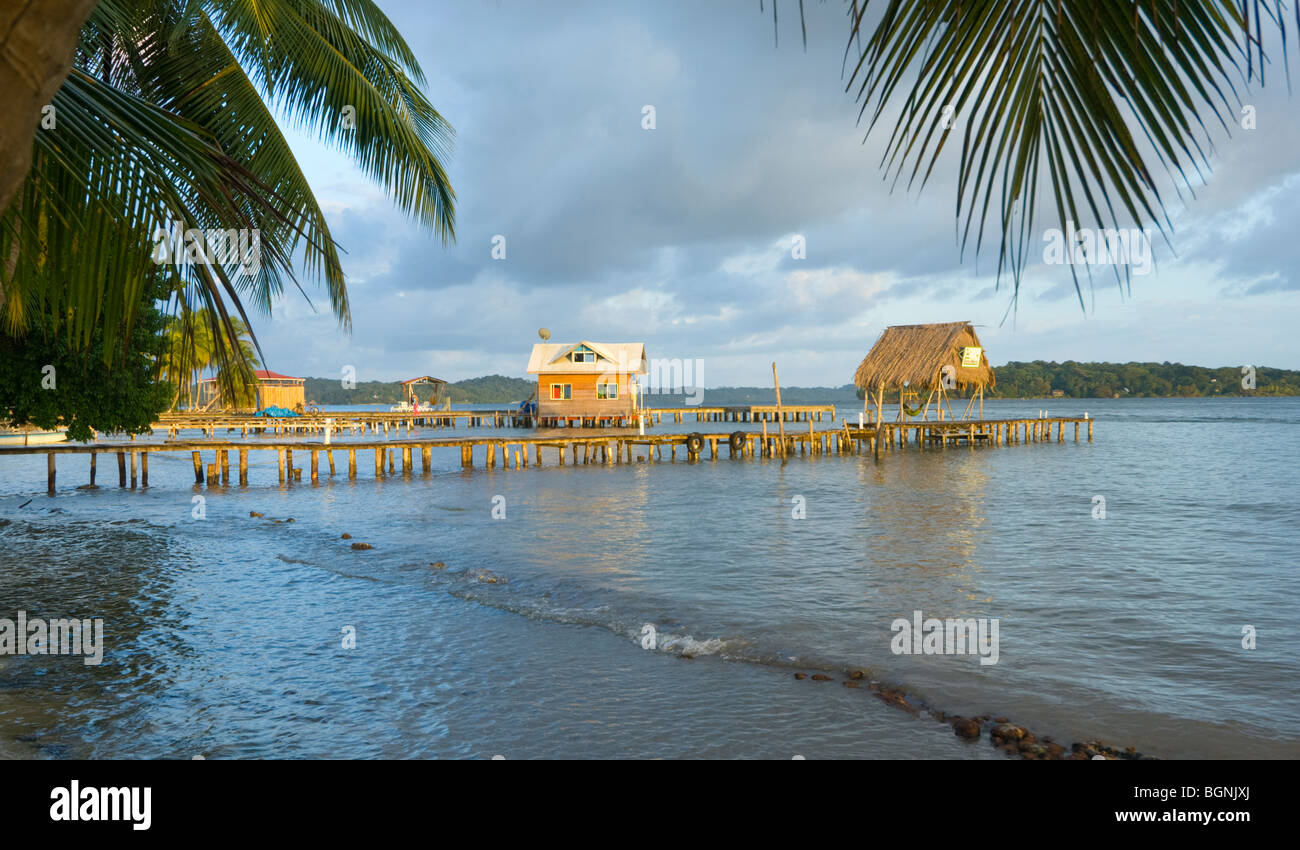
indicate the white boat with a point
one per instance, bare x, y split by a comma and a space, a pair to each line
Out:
28, 436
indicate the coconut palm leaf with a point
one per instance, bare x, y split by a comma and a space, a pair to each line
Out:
1083, 100
170, 115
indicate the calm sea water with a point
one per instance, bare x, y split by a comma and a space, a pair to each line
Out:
223, 634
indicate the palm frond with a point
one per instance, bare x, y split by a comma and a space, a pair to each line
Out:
1082, 100
169, 116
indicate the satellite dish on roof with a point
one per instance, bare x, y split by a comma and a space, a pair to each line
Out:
544, 333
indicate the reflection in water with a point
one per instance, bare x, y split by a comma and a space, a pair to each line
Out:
223, 634
925, 522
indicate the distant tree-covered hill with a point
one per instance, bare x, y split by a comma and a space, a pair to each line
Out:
1039, 379
1110, 380
492, 389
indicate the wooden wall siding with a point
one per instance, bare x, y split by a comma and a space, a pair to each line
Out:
583, 401
273, 396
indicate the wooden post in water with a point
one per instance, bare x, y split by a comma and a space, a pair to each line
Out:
279, 463
49, 473
315, 465
426, 458
144, 469
194, 456
329, 455
243, 467
780, 415
225, 466
92, 460
352, 463
880, 403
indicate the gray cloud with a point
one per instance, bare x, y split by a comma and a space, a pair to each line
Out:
679, 236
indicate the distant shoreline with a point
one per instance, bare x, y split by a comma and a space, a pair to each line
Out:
1014, 380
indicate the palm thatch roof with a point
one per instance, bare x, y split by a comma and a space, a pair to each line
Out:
914, 356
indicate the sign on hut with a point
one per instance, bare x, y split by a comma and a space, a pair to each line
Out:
925, 361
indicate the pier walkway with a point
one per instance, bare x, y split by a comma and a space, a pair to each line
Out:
392, 422
584, 446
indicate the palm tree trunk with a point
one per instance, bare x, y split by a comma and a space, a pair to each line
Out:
37, 40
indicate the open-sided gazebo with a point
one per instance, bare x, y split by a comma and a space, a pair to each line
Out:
425, 390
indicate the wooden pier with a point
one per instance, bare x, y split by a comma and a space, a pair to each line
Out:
212, 462
730, 413
338, 422
393, 422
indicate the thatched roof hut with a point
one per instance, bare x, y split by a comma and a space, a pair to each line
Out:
914, 356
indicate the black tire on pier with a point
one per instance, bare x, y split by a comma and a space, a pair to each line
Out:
694, 443
737, 440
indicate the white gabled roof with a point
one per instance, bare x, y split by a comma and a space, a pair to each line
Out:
610, 357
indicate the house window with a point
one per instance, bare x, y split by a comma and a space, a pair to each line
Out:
561, 392
606, 390
582, 354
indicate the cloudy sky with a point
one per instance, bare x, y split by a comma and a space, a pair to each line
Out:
681, 236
